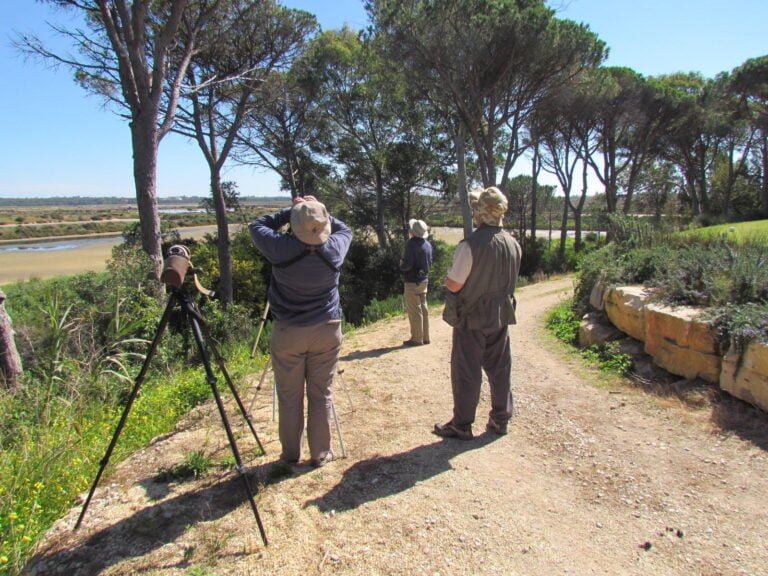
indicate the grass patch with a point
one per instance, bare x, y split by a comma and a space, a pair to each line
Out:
738, 232
194, 465
563, 323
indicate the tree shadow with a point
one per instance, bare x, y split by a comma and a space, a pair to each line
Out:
383, 476
151, 527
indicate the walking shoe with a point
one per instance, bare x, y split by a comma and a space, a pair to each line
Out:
323, 459
411, 343
496, 427
449, 430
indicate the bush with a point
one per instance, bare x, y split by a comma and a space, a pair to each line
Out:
380, 309
563, 323
731, 279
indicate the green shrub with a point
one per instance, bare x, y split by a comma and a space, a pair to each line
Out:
194, 465
714, 272
379, 309
739, 324
563, 323
608, 358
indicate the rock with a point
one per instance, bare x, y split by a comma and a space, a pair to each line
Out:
746, 375
625, 307
595, 330
681, 342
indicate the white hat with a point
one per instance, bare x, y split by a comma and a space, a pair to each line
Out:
418, 228
310, 222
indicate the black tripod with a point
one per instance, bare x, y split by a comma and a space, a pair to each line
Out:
192, 315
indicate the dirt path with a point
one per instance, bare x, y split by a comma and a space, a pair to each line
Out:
590, 480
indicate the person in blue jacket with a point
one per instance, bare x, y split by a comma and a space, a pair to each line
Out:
306, 333
415, 265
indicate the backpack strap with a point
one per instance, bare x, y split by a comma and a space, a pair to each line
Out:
306, 252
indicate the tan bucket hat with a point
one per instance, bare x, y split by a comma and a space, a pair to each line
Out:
310, 222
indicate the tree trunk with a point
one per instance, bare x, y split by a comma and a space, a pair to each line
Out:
535, 169
690, 181
222, 243
563, 231
380, 233
10, 361
764, 183
145, 144
461, 182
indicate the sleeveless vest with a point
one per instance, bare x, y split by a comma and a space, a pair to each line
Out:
486, 302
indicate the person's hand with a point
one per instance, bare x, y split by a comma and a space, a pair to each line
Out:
307, 198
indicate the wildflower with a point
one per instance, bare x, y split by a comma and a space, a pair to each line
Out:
13, 516
3, 559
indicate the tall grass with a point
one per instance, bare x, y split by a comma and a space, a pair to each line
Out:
50, 457
83, 340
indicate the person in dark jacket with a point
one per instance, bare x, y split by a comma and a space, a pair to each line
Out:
306, 333
415, 265
480, 307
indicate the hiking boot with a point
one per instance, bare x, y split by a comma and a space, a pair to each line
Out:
449, 430
411, 343
499, 428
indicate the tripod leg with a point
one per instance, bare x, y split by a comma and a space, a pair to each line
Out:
137, 385
338, 429
340, 372
192, 317
261, 382
262, 321
228, 380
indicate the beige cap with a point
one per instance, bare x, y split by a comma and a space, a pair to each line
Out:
418, 228
310, 222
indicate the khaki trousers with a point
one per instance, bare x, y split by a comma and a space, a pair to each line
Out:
305, 355
415, 295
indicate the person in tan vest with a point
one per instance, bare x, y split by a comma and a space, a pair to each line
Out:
480, 306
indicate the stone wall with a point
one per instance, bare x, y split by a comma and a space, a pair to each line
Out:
680, 340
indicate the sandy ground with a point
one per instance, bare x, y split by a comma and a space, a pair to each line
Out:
593, 478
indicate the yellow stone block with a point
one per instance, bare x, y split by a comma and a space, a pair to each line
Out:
681, 325
746, 375
687, 362
625, 308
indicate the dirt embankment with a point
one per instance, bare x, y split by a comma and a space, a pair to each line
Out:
590, 480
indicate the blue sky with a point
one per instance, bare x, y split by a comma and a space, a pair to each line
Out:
57, 141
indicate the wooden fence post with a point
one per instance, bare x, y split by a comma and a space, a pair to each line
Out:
10, 361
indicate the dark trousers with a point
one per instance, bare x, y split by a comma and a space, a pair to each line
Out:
474, 351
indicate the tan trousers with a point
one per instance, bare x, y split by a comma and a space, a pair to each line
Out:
418, 314
305, 355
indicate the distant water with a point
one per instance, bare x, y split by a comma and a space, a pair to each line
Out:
75, 243
59, 245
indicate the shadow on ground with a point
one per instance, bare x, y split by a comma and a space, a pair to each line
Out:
148, 529
374, 353
383, 476
741, 418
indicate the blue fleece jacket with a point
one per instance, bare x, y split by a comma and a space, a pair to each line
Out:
305, 292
